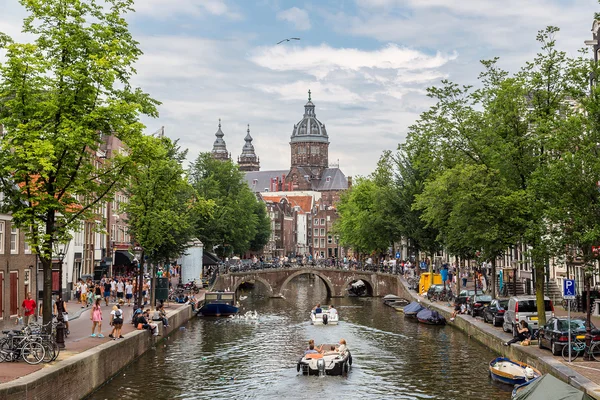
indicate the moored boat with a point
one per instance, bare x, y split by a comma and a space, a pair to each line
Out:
430, 317
548, 387
390, 298
326, 363
218, 304
512, 372
413, 309
324, 318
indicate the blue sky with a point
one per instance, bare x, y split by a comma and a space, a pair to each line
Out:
367, 63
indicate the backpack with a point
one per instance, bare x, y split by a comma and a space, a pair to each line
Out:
118, 319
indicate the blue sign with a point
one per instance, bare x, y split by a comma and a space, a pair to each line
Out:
569, 288
397, 255
423, 265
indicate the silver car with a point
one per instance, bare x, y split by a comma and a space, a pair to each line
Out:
524, 308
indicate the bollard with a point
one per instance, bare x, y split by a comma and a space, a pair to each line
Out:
60, 334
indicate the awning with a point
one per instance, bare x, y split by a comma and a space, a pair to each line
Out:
123, 257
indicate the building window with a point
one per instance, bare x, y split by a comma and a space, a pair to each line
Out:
316, 242
316, 221
322, 242
316, 232
26, 248
329, 239
328, 179
1, 237
322, 221
322, 232
14, 240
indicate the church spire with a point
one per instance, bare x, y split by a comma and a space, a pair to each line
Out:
219, 150
248, 161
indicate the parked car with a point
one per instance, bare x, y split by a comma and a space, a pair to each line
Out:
464, 295
555, 334
525, 308
494, 313
437, 289
476, 304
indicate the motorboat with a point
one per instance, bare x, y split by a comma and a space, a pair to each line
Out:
324, 318
329, 362
512, 372
389, 298
395, 301
413, 309
430, 317
218, 304
548, 387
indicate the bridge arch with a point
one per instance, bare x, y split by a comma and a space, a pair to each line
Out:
330, 288
367, 281
243, 279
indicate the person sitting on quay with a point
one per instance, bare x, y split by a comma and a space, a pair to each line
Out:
142, 323
160, 315
523, 333
458, 309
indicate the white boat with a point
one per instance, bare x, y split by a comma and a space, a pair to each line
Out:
324, 318
327, 363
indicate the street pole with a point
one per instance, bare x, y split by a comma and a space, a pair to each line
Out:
569, 325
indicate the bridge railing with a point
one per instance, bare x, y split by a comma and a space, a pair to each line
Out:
327, 264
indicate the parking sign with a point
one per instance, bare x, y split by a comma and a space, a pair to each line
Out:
569, 289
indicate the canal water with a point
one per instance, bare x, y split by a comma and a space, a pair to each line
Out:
237, 359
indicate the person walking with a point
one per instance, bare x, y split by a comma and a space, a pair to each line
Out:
60, 310
116, 320
106, 291
28, 306
128, 293
96, 318
120, 290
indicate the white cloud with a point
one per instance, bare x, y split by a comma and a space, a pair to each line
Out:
296, 16
321, 61
170, 8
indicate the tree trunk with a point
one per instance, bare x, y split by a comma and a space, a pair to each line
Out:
153, 288
539, 289
140, 278
493, 278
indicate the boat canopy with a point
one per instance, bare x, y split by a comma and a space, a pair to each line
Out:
550, 388
413, 307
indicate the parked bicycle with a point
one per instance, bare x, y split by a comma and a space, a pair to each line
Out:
578, 347
21, 344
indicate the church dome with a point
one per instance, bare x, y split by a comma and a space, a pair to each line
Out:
219, 150
309, 129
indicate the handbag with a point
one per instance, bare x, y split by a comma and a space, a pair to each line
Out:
140, 326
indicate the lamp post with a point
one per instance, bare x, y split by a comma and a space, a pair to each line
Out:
337, 249
61, 257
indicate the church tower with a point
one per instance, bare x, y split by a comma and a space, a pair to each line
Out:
219, 150
248, 161
310, 149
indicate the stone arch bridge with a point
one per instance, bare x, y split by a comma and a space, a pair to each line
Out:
336, 280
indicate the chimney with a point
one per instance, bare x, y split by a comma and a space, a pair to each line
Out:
349, 182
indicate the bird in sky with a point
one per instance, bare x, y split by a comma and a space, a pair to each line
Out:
287, 40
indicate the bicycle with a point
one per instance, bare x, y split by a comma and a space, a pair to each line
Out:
18, 345
578, 347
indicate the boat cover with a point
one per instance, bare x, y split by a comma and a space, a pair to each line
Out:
413, 307
550, 388
430, 315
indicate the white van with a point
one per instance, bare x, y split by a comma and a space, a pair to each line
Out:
525, 308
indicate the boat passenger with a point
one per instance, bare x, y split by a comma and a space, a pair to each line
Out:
523, 333
331, 351
318, 309
332, 311
311, 350
342, 348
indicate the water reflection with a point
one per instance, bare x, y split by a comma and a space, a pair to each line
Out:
393, 357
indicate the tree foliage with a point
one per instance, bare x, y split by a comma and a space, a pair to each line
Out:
238, 222
58, 96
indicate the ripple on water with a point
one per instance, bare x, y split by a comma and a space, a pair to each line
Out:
393, 357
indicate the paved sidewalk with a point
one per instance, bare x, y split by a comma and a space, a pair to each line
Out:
79, 340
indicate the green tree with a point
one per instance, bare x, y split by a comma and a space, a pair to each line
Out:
162, 207
58, 97
236, 222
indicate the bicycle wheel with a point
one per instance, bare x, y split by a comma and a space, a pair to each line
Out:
575, 350
33, 353
595, 351
49, 351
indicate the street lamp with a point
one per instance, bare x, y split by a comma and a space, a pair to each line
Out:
139, 254
337, 248
61, 257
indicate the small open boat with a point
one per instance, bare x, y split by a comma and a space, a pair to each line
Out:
218, 304
430, 317
327, 363
324, 318
512, 372
390, 298
413, 309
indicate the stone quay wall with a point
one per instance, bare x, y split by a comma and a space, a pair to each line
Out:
79, 375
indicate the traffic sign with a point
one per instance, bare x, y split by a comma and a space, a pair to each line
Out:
569, 289
397, 255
